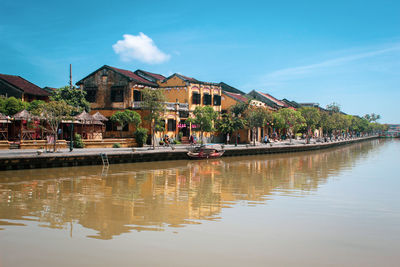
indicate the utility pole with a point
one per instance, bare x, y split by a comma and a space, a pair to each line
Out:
70, 76
71, 143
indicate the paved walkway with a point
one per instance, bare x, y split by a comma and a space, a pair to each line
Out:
15, 153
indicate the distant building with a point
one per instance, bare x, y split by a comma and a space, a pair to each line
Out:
18, 87
313, 105
292, 104
268, 99
227, 88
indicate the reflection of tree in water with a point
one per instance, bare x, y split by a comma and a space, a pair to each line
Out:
142, 197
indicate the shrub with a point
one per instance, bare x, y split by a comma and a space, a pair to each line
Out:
180, 135
116, 145
140, 136
176, 142
78, 142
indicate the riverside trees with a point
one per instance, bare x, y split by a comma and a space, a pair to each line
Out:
204, 119
312, 119
154, 104
125, 117
54, 112
257, 117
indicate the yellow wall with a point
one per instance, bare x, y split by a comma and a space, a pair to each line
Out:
227, 101
177, 93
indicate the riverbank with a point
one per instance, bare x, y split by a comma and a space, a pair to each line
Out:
31, 159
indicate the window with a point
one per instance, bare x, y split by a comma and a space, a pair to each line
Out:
207, 99
171, 125
137, 95
196, 98
91, 94
117, 94
217, 100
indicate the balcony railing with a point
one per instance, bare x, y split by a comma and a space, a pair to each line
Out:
168, 105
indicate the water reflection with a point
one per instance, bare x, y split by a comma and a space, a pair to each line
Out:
156, 196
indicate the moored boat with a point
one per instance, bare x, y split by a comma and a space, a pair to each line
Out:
206, 152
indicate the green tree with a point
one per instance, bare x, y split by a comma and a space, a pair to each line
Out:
372, 117
229, 123
312, 118
239, 109
140, 136
333, 107
255, 118
154, 104
125, 117
34, 105
53, 113
12, 105
204, 118
72, 96
292, 120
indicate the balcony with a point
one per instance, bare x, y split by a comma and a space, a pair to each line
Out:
171, 106
137, 104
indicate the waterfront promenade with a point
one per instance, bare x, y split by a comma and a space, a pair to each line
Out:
30, 159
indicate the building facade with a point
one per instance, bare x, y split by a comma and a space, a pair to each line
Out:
18, 87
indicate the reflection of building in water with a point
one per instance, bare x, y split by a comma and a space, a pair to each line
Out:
136, 197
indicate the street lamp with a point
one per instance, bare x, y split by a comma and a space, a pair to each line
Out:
71, 143
236, 122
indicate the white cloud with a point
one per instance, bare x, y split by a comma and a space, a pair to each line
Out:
139, 47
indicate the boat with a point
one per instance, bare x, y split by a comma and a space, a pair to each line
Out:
206, 152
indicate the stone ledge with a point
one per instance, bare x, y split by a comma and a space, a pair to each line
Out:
49, 160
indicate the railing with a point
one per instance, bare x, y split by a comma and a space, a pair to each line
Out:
168, 105
137, 104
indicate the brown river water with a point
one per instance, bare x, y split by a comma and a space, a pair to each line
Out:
334, 207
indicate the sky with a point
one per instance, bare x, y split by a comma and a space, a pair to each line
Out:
347, 52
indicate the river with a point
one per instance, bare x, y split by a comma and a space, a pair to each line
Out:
334, 207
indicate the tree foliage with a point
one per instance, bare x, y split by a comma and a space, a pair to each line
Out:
204, 118
291, 119
72, 96
333, 107
154, 103
125, 117
312, 117
372, 117
140, 136
11, 105
257, 117
54, 112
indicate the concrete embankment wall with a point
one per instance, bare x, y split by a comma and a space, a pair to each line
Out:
49, 160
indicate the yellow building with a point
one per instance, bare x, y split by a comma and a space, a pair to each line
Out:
188, 93
111, 89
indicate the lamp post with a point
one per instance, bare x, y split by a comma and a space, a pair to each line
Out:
71, 142
236, 122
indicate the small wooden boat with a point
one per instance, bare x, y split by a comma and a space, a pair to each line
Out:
206, 152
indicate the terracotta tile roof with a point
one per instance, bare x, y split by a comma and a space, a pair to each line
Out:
186, 78
191, 80
228, 88
24, 85
134, 76
154, 75
239, 97
273, 99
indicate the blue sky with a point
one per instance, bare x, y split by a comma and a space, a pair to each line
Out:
308, 51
